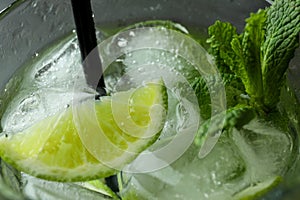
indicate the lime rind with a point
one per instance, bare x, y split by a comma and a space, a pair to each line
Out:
29, 154
53, 148
257, 190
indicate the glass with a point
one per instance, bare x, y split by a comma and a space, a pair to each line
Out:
29, 26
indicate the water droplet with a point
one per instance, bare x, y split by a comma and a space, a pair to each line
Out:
50, 8
119, 60
34, 4
140, 69
122, 42
44, 18
131, 33
186, 73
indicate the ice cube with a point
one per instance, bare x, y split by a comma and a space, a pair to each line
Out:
60, 68
45, 85
267, 149
24, 110
240, 159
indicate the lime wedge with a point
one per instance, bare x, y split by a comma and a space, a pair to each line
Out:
87, 140
258, 189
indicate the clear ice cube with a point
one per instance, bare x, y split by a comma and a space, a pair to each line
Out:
47, 84
241, 158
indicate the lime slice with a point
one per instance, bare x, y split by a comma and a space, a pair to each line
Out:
74, 146
258, 189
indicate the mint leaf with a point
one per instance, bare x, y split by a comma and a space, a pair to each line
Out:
234, 117
240, 54
221, 35
281, 40
235, 91
247, 49
201, 90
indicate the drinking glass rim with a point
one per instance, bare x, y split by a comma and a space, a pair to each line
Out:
10, 7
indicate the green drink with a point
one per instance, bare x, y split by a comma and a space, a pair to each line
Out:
216, 143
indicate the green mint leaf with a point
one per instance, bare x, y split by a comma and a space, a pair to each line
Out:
201, 90
235, 117
235, 91
220, 37
281, 40
247, 49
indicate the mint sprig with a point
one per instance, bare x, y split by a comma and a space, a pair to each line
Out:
260, 55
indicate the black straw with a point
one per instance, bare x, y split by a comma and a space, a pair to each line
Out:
86, 34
